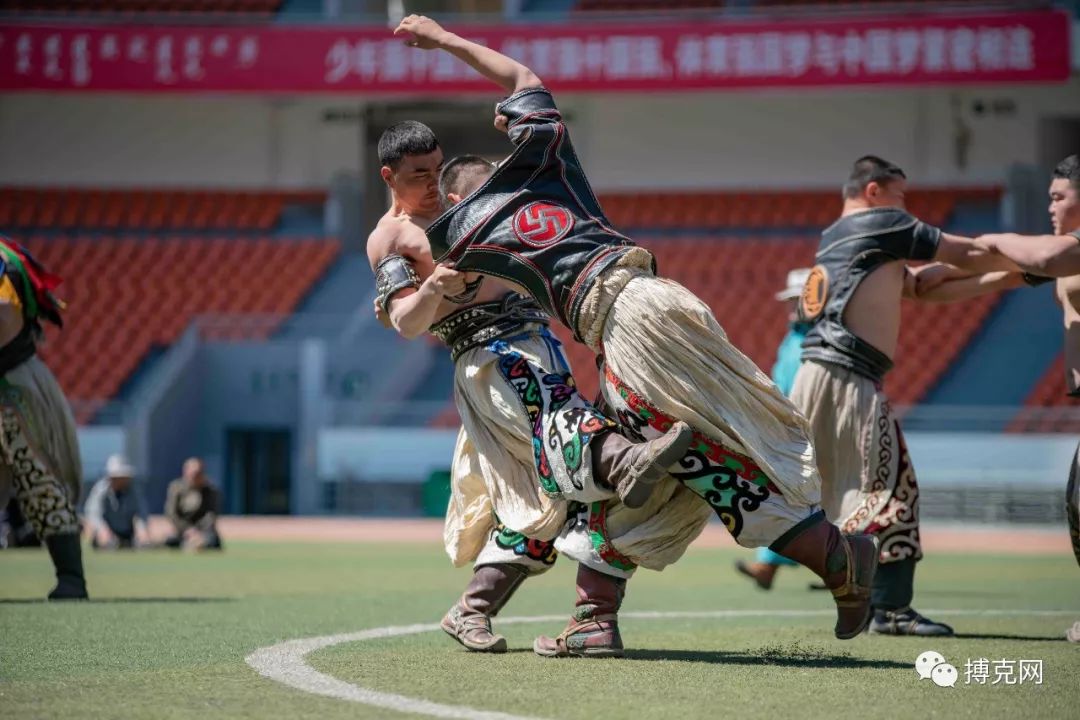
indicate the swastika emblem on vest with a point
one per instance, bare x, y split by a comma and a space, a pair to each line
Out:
540, 223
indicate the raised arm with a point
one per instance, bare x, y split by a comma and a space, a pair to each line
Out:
1046, 255
426, 34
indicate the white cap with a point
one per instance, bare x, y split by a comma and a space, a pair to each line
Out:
117, 466
795, 281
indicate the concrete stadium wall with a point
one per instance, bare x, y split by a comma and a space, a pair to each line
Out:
171, 141
707, 140
809, 138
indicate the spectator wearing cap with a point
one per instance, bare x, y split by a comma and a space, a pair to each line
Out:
115, 512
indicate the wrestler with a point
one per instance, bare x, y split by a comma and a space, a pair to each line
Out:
852, 297
518, 403
39, 450
537, 223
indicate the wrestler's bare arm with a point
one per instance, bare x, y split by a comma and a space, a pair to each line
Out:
426, 34
965, 253
1045, 255
946, 283
413, 310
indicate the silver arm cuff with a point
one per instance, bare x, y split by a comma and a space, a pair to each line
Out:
393, 274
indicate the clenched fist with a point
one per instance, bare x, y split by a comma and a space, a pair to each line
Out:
447, 281
422, 32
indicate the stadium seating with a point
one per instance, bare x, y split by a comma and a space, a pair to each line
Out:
1048, 408
147, 210
766, 209
128, 296
213, 7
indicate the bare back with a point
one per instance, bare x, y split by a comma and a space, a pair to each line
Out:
1068, 294
873, 313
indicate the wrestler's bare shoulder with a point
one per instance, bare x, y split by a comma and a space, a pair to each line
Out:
397, 234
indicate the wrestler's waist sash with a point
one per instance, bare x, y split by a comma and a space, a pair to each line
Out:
830, 342
478, 325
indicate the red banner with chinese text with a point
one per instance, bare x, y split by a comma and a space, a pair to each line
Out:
1003, 48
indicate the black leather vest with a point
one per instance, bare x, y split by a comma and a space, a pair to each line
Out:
536, 221
850, 249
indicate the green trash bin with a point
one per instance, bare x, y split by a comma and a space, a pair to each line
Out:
435, 494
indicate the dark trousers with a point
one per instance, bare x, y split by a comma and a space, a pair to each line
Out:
894, 585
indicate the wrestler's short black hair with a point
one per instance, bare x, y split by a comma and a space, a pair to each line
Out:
868, 169
461, 173
1069, 169
405, 138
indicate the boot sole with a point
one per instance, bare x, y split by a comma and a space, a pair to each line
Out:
869, 609
642, 489
499, 646
586, 653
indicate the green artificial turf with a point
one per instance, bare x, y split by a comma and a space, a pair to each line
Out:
167, 634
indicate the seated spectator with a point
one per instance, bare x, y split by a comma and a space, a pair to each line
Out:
115, 513
192, 505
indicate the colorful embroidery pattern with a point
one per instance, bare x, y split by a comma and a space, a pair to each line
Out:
538, 550
891, 511
598, 534
563, 422
732, 483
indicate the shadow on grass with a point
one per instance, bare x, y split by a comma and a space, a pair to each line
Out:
791, 657
794, 655
100, 601
1028, 638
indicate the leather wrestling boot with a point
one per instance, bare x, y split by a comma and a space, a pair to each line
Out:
593, 630
846, 563
761, 573
469, 620
906, 621
66, 554
634, 469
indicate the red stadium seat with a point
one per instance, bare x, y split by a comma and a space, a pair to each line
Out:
168, 282
767, 209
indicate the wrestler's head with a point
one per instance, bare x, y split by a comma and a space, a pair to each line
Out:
461, 176
875, 183
1065, 196
411, 159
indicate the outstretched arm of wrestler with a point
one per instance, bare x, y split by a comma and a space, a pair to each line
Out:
1045, 255
426, 34
413, 310
939, 282
965, 253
